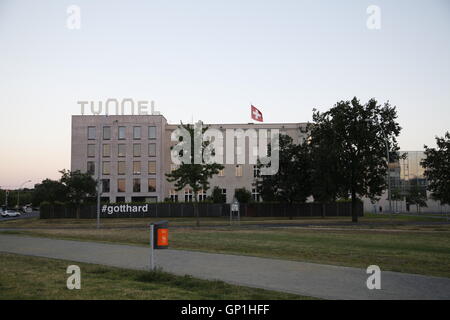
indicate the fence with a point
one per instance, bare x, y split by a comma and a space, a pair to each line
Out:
162, 210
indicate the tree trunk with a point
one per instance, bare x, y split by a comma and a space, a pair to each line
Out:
354, 203
196, 210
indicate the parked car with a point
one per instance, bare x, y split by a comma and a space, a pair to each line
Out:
10, 213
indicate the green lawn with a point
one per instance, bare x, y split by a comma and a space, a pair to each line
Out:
421, 249
25, 277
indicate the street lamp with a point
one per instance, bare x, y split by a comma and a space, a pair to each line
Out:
387, 159
18, 191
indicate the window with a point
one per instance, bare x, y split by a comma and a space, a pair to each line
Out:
173, 195
152, 132
121, 167
91, 150
136, 185
121, 150
152, 167
173, 167
255, 195
187, 195
256, 172
106, 133
222, 173
152, 149
201, 195
91, 133
105, 185
136, 150
136, 133
238, 170
106, 167
136, 167
120, 185
90, 167
151, 185
106, 150
122, 133
224, 192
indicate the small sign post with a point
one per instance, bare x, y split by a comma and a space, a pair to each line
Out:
159, 239
234, 210
152, 249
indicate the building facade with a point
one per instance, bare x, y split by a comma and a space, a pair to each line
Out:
132, 154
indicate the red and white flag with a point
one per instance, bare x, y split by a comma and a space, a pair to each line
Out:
256, 114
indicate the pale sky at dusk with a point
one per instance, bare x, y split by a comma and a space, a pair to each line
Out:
209, 60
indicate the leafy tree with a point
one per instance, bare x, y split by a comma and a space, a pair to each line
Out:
50, 191
416, 195
437, 169
79, 187
194, 175
292, 182
350, 139
242, 195
217, 196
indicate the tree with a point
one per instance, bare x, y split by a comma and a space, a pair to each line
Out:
351, 138
437, 169
192, 174
50, 191
292, 182
416, 195
242, 195
217, 196
79, 187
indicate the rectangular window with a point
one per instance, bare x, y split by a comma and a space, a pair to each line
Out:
91, 150
173, 195
121, 150
121, 167
90, 167
152, 167
120, 185
255, 195
187, 195
201, 195
256, 172
151, 185
106, 133
122, 133
91, 133
105, 185
136, 185
106, 150
136, 167
238, 170
152, 132
224, 192
106, 167
221, 173
136, 133
136, 150
152, 149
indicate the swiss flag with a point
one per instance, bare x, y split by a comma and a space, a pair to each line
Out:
256, 114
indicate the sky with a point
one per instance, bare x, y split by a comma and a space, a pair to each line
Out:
209, 60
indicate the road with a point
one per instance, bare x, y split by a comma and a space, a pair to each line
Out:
308, 279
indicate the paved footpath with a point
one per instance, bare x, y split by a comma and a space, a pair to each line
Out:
309, 279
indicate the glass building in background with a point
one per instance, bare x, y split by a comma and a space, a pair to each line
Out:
408, 187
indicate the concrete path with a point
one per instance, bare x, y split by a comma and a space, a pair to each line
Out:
309, 279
